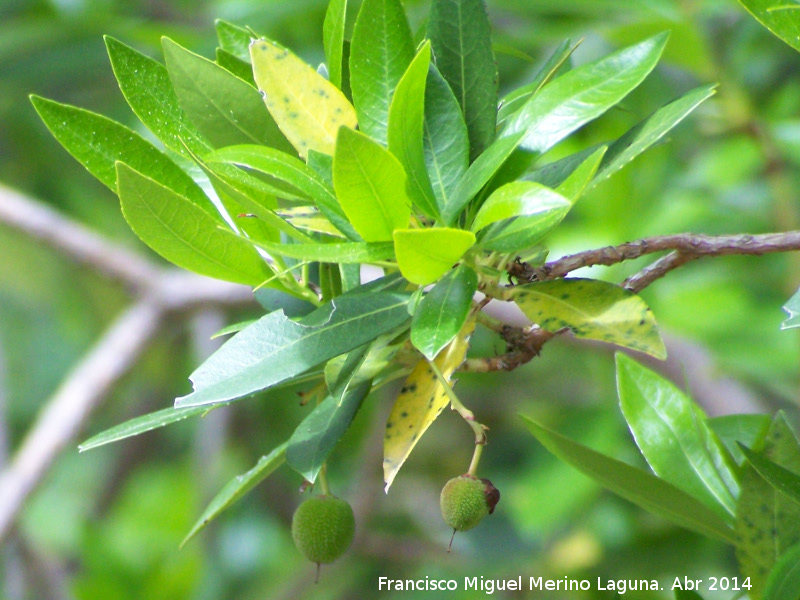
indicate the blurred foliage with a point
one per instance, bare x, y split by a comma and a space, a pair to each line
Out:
108, 523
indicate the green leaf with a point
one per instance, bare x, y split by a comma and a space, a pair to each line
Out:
147, 88
314, 439
236, 66
522, 199
333, 39
781, 479
234, 39
792, 308
767, 521
275, 349
224, 108
583, 94
672, 433
748, 429
406, 122
558, 109
184, 233
443, 311
380, 52
641, 488
298, 178
592, 309
445, 138
780, 17
577, 181
371, 186
308, 109
351, 253
460, 35
649, 131
424, 255
98, 143
143, 424
238, 487
783, 582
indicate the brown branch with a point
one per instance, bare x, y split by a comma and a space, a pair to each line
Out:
522, 346
685, 246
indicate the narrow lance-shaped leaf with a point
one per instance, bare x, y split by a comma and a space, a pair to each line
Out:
558, 109
780, 17
406, 122
238, 487
672, 433
333, 39
98, 143
184, 233
224, 108
767, 520
420, 401
445, 141
424, 255
641, 488
461, 38
234, 39
592, 309
147, 88
380, 52
783, 582
371, 186
781, 479
349, 253
443, 311
308, 109
276, 348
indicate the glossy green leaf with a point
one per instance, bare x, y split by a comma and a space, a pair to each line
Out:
521, 199
445, 138
234, 39
333, 39
792, 308
649, 131
767, 521
315, 437
294, 174
460, 35
308, 109
143, 424
225, 109
238, 487
583, 94
783, 582
781, 479
591, 309
522, 233
558, 109
371, 186
275, 348
236, 66
98, 143
643, 489
747, 429
779, 16
672, 433
184, 233
349, 253
516, 99
443, 311
406, 122
578, 181
147, 88
424, 255
380, 52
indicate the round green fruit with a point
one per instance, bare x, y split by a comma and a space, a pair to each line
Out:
466, 500
323, 528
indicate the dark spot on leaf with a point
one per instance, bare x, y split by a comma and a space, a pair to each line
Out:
389, 425
404, 414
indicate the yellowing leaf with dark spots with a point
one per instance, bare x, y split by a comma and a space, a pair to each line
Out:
308, 109
592, 309
420, 401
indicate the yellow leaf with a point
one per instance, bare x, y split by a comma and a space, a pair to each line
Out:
420, 401
308, 109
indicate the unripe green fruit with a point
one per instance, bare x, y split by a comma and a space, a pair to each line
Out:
323, 528
466, 500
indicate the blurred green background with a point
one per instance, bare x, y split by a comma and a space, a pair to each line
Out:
108, 523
